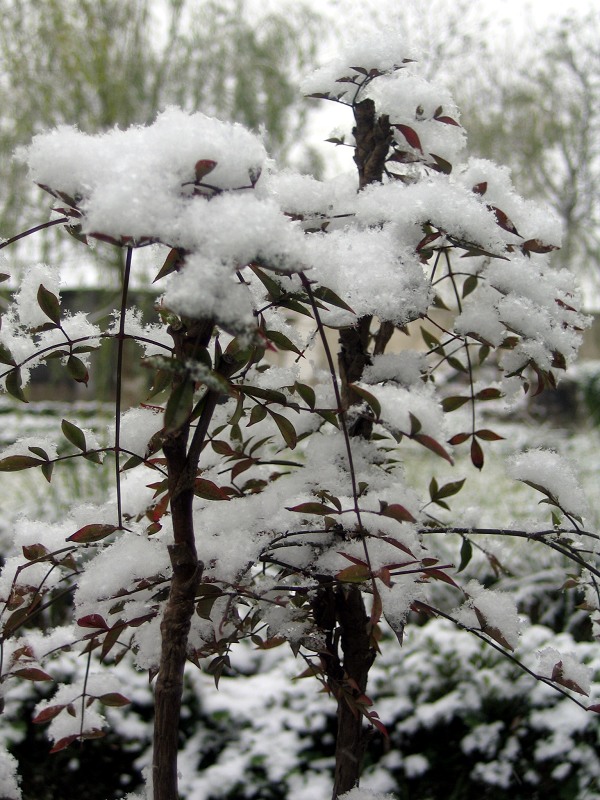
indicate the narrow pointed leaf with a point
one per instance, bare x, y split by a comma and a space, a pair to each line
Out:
92, 533
74, 434
49, 303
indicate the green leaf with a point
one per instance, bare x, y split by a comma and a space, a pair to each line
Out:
37, 451
92, 533
331, 298
74, 434
469, 285
369, 399
313, 508
282, 342
452, 403
257, 414
271, 395
49, 303
13, 385
286, 429
6, 356
307, 393
466, 553
430, 340
179, 406
450, 489
357, 573
17, 463
77, 370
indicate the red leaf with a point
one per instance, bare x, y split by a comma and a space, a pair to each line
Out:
410, 135
61, 744
476, 454
313, 508
114, 699
32, 674
92, 533
431, 444
503, 221
595, 707
209, 490
93, 621
447, 121
488, 436
47, 714
203, 167
480, 188
397, 512
537, 246
459, 438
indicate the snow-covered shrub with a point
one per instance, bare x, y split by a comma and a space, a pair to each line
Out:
267, 498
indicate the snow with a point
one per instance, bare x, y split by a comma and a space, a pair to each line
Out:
555, 474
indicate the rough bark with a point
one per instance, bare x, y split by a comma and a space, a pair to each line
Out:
187, 570
348, 672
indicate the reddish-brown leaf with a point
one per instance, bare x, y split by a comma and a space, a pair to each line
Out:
476, 454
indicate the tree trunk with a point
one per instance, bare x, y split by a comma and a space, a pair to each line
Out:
348, 675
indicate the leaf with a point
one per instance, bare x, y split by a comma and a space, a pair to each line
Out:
282, 342
357, 573
331, 298
459, 438
488, 394
476, 454
63, 743
93, 621
469, 285
74, 434
450, 489
369, 399
114, 699
480, 188
6, 356
466, 553
92, 533
209, 490
77, 370
313, 508
47, 714
17, 463
32, 674
447, 121
441, 165
503, 221
257, 414
307, 393
286, 429
537, 246
13, 385
410, 135
49, 303
33, 552
452, 403
435, 447
270, 395
203, 167
487, 435
397, 512
179, 406
173, 262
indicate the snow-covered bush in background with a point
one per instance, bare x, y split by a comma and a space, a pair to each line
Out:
269, 499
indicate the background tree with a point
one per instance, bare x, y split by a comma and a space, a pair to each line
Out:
106, 63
